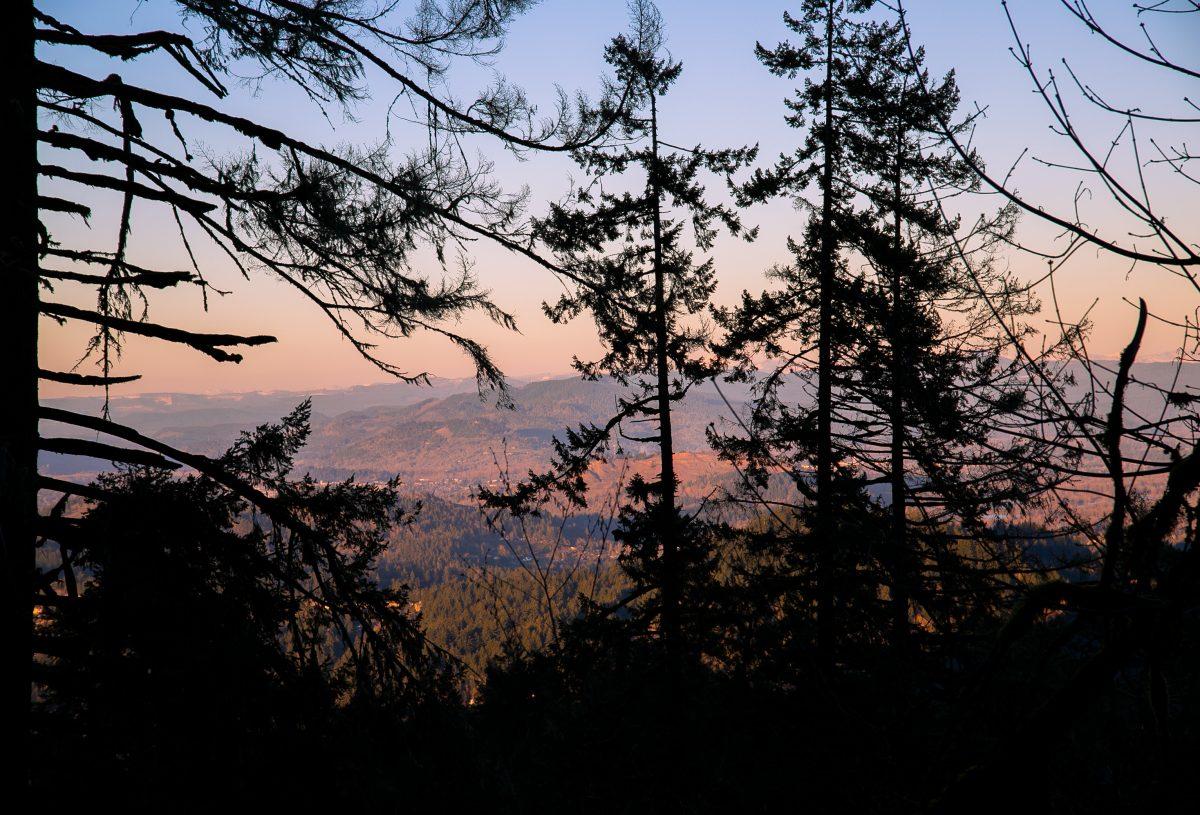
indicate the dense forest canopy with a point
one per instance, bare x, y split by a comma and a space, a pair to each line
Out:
897, 513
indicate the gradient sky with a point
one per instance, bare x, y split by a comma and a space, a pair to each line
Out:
724, 98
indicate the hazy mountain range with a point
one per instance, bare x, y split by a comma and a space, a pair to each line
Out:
443, 438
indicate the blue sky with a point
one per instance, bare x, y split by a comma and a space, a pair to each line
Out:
724, 98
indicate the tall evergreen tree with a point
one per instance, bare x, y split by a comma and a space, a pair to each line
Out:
912, 391
635, 276
927, 379
816, 299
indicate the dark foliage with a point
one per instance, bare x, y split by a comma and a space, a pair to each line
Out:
197, 640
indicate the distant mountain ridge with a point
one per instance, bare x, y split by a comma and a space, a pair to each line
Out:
444, 438
151, 411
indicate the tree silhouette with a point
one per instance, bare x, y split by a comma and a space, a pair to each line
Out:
935, 409
647, 296
813, 313
1145, 544
339, 224
956, 559
815, 303
195, 628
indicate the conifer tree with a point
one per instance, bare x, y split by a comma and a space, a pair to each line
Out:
928, 380
816, 299
635, 276
912, 391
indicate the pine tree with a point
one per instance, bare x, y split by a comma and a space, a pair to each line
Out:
815, 304
631, 271
927, 379
19, 372
912, 391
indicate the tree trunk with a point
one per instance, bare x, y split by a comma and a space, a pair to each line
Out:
672, 578
824, 508
899, 521
18, 372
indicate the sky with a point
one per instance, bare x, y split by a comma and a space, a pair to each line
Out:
724, 98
